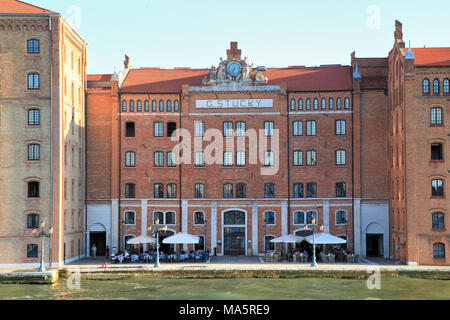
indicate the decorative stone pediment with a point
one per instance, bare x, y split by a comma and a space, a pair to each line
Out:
234, 71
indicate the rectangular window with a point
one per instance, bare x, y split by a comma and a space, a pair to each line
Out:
171, 160
34, 152
341, 217
129, 130
159, 159
241, 129
269, 218
298, 128
438, 221
130, 218
228, 129
130, 189
200, 159
437, 188
341, 190
269, 159
158, 129
158, 191
311, 158
241, 192
32, 221
436, 116
33, 81
228, 159
299, 218
199, 191
311, 128
268, 128
228, 191
311, 218
34, 117
341, 158
340, 128
33, 190
241, 158
269, 191
311, 190
130, 158
436, 152
298, 158
171, 191
199, 129
33, 46
298, 191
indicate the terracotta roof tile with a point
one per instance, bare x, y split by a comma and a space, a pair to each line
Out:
429, 57
19, 7
154, 80
99, 77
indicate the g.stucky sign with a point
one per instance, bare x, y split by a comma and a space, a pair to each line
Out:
234, 104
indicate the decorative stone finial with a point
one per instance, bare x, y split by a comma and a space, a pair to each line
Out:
127, 62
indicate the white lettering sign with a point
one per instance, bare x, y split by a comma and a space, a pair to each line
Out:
234, 104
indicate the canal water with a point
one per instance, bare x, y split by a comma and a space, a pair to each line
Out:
139, 287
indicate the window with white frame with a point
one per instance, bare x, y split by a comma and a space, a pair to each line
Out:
311, 128
311, 217
158, 218
299, 218
228, 159
158, 129
311, 190
436, 116
199, 218
341, 158
298, 158
241, 159
130, 159
159, 159
130, 218
199, 159
341, 217
269, 218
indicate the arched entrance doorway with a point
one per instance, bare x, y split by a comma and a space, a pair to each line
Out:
234, 233
374, 240
97, 236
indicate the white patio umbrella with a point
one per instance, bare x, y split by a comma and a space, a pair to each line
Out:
141, 240
182, 238
325, 238
288, 239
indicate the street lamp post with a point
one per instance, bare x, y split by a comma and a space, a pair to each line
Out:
315, 230
40, 233
265, 238
157, 230
346, 233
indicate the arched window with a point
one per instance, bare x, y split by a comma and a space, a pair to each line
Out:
33, 46
139, 106
33, 81
299, 218
293, 104
339, 103
316, 104
347, 103
300, 104
32, 221
154, 105
439, 250
446, 86
161, 106
170, 218
308, 104
169, 106
132, 106
228, 191
34, 152
124, 106
234, 218
331, 104
323, 104
146, 106
426, 86
436, 88
199, 218
176, 106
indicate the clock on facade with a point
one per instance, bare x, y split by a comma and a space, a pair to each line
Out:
234, 68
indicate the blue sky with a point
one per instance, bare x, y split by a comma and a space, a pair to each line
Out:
196, 33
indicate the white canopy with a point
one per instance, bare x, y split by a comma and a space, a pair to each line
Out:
141, 240
325, 238
288, 239
182, 238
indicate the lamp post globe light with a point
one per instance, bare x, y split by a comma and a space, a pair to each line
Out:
315, 230
40, 233
157, 230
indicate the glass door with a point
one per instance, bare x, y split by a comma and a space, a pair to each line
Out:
234, 241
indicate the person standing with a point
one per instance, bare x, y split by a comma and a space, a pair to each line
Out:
107, 252
94, 251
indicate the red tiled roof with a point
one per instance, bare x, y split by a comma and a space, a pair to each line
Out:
429, 57
98, 77
19, 7
153, 80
